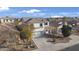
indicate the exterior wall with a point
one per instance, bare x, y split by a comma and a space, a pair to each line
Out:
39, 31
36, 25
6, 21
2, 20
9, 21
12, 21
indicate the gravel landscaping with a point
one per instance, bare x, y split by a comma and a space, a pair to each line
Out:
61, 40
9, 41
58, 39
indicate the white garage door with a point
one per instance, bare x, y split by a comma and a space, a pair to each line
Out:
38, 34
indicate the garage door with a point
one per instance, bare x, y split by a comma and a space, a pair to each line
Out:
38, 34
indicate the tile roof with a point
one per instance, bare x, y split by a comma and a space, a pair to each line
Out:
36, 20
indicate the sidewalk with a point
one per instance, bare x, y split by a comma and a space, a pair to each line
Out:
47, 46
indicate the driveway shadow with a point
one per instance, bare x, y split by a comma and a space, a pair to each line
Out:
72, 48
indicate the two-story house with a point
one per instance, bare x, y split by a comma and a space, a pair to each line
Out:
6, 20
39, 25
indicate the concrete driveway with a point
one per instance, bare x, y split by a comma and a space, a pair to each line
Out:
43, 45
41, 42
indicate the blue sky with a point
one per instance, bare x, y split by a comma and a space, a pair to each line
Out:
39, 11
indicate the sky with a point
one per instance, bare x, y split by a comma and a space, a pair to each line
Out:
39, 11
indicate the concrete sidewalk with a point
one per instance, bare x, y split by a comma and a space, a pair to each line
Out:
43, 45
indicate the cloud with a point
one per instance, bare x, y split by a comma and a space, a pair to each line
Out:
30, 11
69, 13
56, 16
77, 13
39, 14
64, 13
14, 14
61, 14
4, 8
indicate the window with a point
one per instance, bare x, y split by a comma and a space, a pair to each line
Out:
41, 25
45, 23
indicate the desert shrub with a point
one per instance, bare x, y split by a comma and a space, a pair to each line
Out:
22, 35
66, 30
19, 28
26, 33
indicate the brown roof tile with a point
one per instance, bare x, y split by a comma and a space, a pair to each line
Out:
36, 20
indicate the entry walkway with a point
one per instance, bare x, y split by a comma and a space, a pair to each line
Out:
43, 45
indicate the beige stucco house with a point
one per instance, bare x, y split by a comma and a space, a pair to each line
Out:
6, 20
39, 25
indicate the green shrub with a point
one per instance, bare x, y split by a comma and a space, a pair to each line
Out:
66, 30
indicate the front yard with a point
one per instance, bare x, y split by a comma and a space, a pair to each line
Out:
9, 40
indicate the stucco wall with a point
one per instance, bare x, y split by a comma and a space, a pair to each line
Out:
38, 24
39, 31
6, 21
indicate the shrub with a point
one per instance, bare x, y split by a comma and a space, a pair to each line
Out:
26, 33
22, 35
19, 28
66, 30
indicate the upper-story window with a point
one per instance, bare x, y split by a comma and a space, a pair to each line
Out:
41, 24
46, 23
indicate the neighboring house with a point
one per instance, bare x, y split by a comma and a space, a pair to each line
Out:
39, 25
72, 22
57, 25
6, 20
77, 22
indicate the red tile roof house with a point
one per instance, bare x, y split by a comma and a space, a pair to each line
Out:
39, 25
